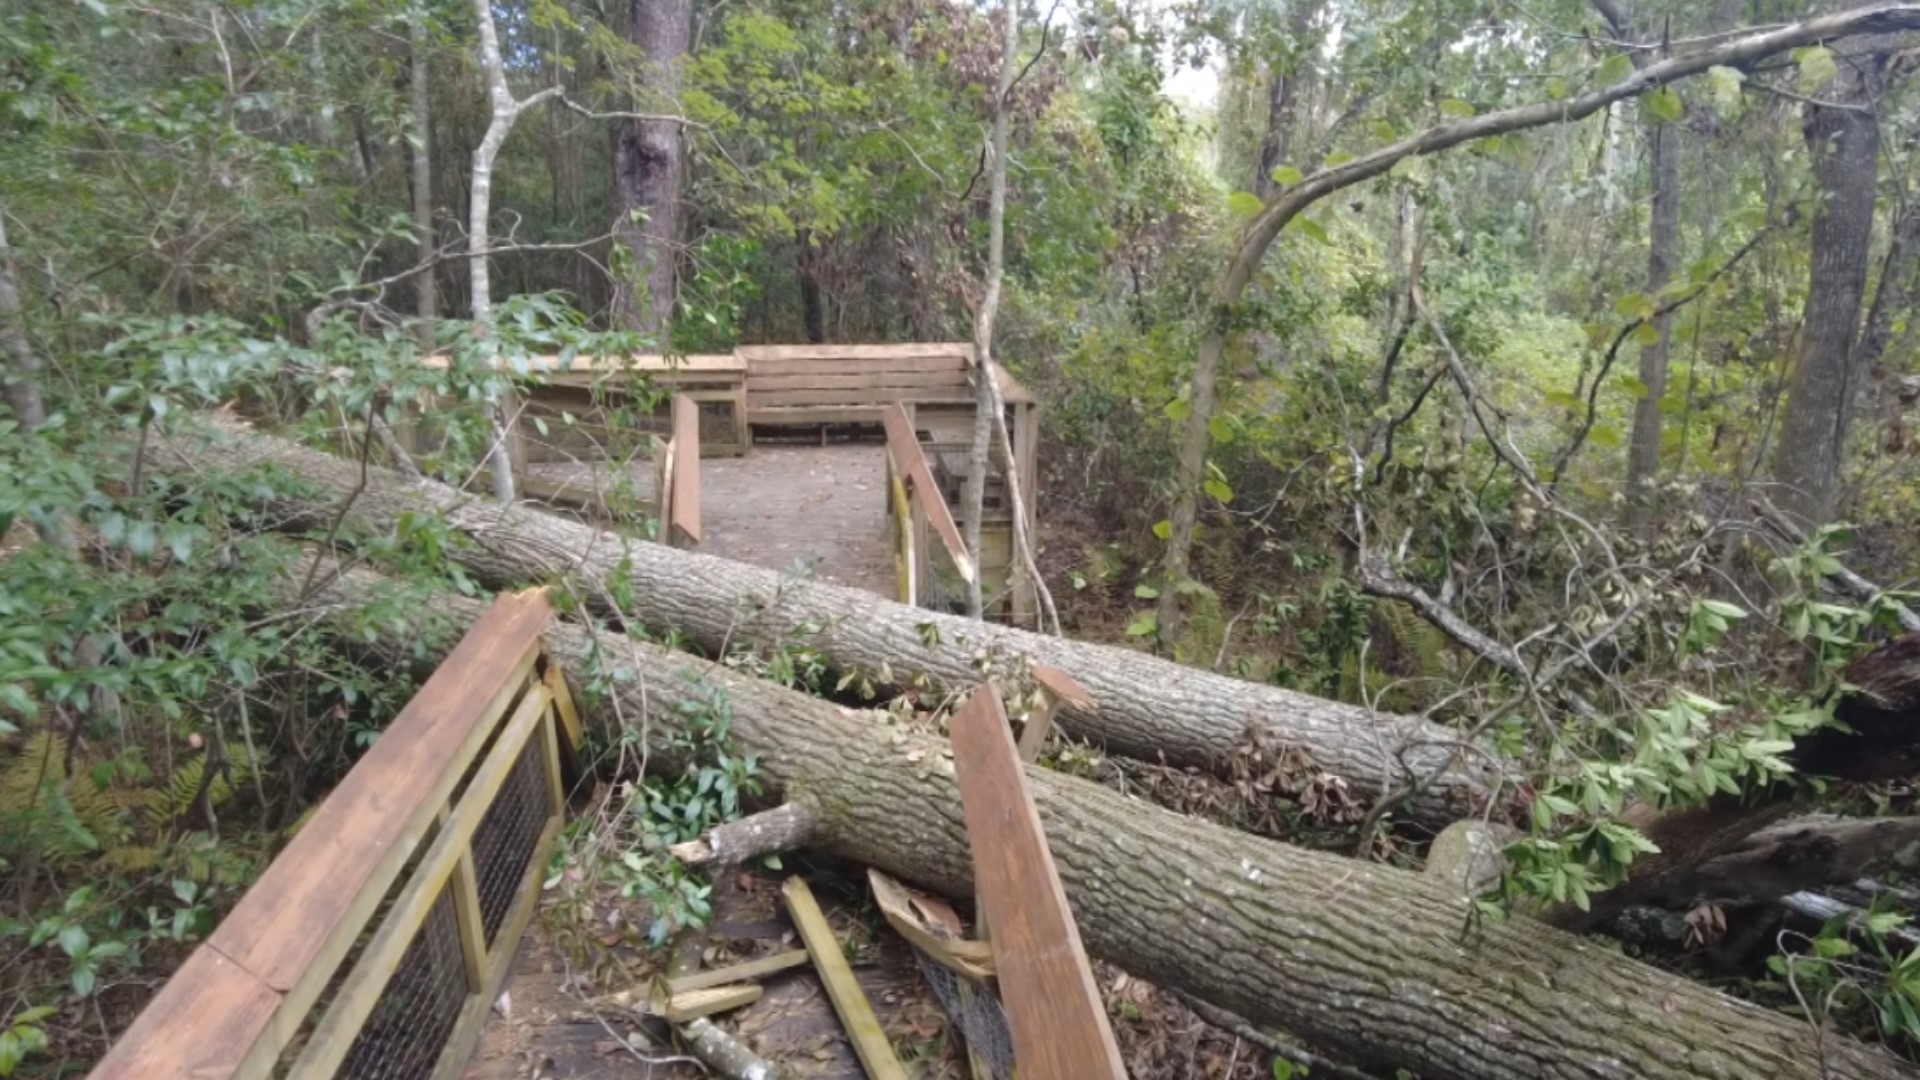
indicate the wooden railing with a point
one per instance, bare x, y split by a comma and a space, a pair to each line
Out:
918, 508
375, 944
677, 477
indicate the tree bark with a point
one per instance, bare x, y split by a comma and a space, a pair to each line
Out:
1145, 707
505, 111
649, 168
1288, 83
23, 370
1895, 296
1821, 392
1259, 234
426, 296
1370, 962
1663, 243
985, 400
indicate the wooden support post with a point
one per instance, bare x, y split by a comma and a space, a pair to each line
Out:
1057, 688
1060, 1027
856, 1015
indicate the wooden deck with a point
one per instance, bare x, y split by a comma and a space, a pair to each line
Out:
785, 506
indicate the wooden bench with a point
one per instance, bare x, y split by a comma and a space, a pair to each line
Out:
851, 384
702, 379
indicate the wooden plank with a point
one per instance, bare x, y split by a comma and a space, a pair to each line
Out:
755, 353
870, 1043
1060, 1029
297, 922
715, 999
953, 362
737, 973
650, 363
928, 924
684, 510
925, 491
812, 414
202, 1024
556, 680
774, 399
870, 384
1011, 392
452, 849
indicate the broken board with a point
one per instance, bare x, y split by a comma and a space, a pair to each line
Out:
1060, 1028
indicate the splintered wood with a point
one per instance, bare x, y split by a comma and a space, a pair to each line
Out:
1060, 1029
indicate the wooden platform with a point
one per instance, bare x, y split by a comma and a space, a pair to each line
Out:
785, 505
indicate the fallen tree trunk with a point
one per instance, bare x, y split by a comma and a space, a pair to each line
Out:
1145, 707
1367, 961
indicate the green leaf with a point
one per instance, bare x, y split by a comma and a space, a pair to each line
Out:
1162, 529
1219, 490
1563, 399
1146, 592
1817, 67
1664, 105
1220, 429
73, 939
1243, 204
1557, 88
1143, 625
1613, 69
1287, 175
1636, 306
1456, 107
83, 981
1604, 435
1724, 609
1336, 160
1633, 386
1177, 410
1312, 229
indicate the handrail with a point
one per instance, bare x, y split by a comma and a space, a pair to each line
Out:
911, 461
682, 510
450, 912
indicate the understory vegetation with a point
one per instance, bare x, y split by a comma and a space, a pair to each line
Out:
1545, 370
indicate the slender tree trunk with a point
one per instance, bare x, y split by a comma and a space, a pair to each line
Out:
505, 110
1821, 392
813, 308
1258, 235
649, 168
22, 373
1377, 965
1896, 295
426, 297
979, 454
1663, 243
1145, 707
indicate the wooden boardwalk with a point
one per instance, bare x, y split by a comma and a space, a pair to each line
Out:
785, 505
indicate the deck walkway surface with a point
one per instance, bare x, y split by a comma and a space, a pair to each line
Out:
785, 505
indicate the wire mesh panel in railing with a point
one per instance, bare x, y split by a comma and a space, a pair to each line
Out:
506, 838
409, 1026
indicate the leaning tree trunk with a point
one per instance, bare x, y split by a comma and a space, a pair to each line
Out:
649, 167
1145, 707
1376, 964
1663, 242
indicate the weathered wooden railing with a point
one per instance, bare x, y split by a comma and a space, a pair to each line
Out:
919, 508
374, 945
677, 477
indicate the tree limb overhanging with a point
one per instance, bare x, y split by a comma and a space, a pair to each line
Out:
1258, 235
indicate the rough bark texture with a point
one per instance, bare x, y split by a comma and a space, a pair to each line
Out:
1259, 234
1895, 296
649, 167
1845, 145
1807, 854
1367, 961
1145, 707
